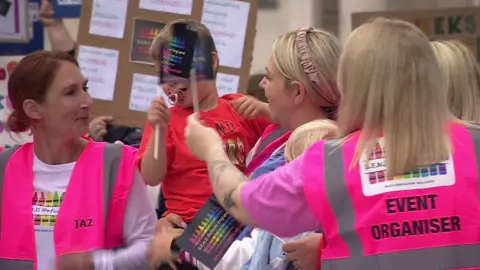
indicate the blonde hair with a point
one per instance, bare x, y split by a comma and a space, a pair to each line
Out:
165, 36
306, 135
313, 62
390, 85
462, 77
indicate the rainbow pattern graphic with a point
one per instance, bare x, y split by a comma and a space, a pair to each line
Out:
214, 230
49, 200
379, 176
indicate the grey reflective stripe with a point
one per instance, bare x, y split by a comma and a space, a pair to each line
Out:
270, 138
112, 156
15, 265
4, 157
440, 258
5, 263
476, 145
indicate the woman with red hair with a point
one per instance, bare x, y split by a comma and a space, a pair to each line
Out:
90, 206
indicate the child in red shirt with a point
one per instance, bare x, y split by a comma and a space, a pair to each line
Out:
185, 181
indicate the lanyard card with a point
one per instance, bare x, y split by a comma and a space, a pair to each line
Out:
210, 233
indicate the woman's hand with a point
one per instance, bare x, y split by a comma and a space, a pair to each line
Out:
201, 140
304, 252
97, 128
78, 261
159, 250
250, 107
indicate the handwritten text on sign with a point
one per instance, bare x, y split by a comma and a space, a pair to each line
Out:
108, 18
99, 66
227, 20
144, 90
227, 83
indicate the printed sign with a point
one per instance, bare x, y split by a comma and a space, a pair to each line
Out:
144, 32
210, 234
177, 56
375, 181
187, 51
437, 24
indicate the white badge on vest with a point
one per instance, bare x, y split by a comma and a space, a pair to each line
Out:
374, 179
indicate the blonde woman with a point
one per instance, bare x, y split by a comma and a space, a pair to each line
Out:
400, 191
300, 84
462, 75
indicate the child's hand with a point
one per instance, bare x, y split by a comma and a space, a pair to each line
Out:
250, 107
159, 114
159, 250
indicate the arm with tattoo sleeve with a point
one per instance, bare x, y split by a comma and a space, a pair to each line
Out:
227, 192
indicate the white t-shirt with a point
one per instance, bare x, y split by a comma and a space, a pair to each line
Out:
50, 183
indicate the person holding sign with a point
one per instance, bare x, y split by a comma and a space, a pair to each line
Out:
184, 178
400, 190
68, 202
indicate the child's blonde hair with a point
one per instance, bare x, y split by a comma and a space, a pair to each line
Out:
306, 135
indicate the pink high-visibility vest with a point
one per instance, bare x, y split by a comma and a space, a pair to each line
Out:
90, 216
272, 140
427, 219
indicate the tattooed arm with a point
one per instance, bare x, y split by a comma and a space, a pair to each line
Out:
227, 182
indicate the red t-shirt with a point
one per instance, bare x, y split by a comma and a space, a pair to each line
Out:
186, 186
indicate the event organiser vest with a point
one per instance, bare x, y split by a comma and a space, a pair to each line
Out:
428, 219
90, 216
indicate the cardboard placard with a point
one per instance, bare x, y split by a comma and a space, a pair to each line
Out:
438, 24
224, 18
210, 234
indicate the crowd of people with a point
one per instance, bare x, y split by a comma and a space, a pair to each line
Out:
362, 157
